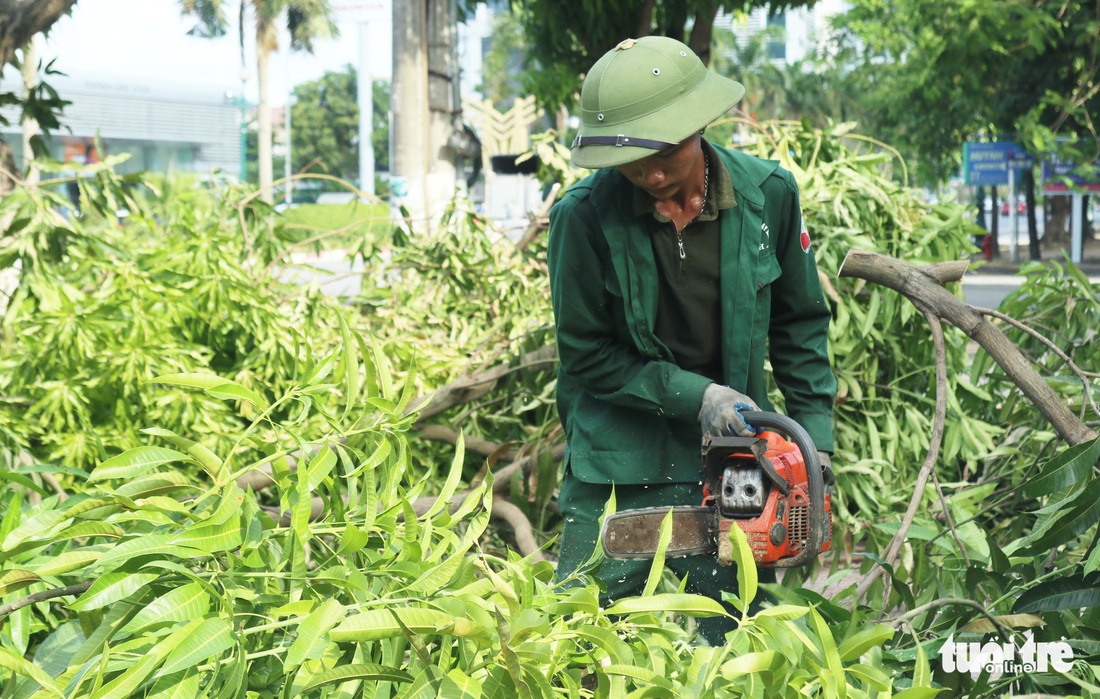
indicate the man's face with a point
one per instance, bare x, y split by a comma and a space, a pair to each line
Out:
663, 174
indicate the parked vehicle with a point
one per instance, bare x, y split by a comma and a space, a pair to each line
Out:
1021, 206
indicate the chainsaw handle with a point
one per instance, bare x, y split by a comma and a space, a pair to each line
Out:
759, 419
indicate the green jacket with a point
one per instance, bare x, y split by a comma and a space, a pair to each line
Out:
630, 414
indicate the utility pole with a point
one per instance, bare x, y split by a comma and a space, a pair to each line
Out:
424, 173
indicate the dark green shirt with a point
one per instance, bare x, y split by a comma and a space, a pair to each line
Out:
689, 315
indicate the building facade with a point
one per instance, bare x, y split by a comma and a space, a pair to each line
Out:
181, 128
801, 30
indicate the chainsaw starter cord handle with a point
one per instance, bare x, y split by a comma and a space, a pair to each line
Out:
797, 434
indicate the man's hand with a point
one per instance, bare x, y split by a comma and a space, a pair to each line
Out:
721, 412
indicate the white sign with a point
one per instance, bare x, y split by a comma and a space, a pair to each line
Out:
999, 658
363, 10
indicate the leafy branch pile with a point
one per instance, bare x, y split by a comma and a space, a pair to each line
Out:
190, 586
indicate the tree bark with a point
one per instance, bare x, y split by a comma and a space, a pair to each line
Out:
923, 288
702, 31
22, 19
1032, 225
472, 387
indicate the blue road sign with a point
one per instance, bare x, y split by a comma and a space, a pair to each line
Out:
988, 163
1056, 172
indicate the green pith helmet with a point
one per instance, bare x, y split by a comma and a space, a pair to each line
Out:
647, 95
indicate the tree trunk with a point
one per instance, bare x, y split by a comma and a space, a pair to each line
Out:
22, 19
994, 226
265, 35
30, 126
702, 31
1032, 227
1057, 226
645, 19
409, 104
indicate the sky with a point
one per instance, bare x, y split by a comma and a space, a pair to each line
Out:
146, 41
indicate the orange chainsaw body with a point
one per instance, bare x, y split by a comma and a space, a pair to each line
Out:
776, 523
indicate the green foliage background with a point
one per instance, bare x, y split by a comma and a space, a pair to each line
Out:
148, 366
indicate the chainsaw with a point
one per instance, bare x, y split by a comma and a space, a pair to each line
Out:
772, 485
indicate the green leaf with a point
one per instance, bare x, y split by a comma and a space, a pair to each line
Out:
21, 666
922, 671
181, 685
1066, 524
210, 638
1062, 593
751, 664
349, 365
352, 540
607, 641
12, 580
657, 567
124, 686
140, 546
319, 622
747, 576
211, 383
154, 484
210, 538
458, 685
363, 671
832, 674
320, 466
1064, 470
234, 391
437, 577
206, 458
111, 588
784, 612
89, 530
870, 675
134, 462
454, 476
918, 693
191, 601
864, 640
638, 673
67, 562
375, 624
691, 605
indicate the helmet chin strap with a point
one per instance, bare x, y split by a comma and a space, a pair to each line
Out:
621, 140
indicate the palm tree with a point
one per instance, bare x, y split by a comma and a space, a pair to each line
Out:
305, 19
749, 63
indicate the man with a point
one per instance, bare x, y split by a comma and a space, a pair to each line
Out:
672, 268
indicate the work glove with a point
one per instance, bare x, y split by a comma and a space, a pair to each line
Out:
720, 414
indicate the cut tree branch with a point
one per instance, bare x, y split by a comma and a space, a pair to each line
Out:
69, 590
923, 287
894, 548
471, 387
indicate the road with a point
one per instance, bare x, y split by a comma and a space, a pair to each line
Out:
988, 290
1004, 229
